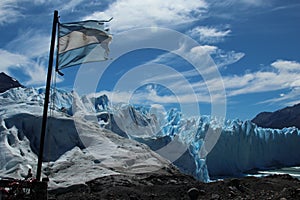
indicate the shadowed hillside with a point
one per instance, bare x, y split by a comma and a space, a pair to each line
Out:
286, 117
7, 82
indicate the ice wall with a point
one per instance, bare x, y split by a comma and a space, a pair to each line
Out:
242, 146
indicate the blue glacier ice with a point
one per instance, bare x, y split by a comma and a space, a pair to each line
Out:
241, 147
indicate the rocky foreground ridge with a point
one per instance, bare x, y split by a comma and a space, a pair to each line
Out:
179, 186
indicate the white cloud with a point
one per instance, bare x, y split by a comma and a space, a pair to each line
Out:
10, 60
38, 42
204, 49
252, 2
209, 34
198, 53
34, 70
286, 66
170, 13
29, 53
9, 11
284, 75
204, 78
71, 5
151, 96
36, 73
130, 14
235, 85
13, 10
288, 99
239, 3
224, 58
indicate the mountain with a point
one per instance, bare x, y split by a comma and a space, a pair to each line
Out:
286, 117
7, 82
88, 135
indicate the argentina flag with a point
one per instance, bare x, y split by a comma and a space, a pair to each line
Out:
82, 42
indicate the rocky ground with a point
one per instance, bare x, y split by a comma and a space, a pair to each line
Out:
178, 186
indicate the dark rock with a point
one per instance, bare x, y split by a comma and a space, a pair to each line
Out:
202, 192
286, 117
7, 82
215, 196
148, 186
193, 193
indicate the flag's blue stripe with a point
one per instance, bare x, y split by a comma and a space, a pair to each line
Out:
79, 56
67, 28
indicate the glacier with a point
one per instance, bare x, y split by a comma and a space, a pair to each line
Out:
89, 131
66, 160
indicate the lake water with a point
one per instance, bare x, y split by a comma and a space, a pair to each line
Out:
293, 171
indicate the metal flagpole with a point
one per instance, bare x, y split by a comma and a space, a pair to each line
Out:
47, 94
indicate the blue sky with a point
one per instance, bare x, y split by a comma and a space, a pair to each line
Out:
254, 44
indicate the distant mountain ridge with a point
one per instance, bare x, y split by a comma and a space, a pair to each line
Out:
7, 82
286, 117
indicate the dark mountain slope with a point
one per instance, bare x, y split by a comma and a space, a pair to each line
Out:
7, 82
286, 117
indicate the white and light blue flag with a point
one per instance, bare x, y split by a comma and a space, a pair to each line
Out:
82, 42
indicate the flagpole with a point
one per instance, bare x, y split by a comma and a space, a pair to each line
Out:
47, 94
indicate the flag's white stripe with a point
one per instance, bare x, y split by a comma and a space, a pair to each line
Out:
80, 38
86, 54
